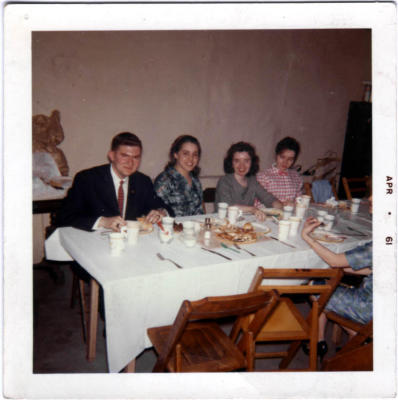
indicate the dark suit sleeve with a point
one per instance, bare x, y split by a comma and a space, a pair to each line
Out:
82, 206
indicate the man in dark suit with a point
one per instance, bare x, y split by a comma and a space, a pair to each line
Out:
108, 195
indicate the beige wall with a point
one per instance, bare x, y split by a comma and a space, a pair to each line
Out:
221, 86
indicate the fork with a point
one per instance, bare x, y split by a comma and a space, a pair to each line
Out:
247, 251
168, 259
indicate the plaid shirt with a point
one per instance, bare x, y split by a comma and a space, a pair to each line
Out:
174, 190
285, 186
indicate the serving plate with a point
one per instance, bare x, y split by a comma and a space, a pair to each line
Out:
326, 236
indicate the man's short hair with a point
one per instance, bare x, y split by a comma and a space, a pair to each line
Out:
126, 139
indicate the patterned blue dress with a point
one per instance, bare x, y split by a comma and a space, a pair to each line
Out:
175, 191
355, 303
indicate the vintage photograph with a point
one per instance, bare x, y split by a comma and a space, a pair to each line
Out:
202, 201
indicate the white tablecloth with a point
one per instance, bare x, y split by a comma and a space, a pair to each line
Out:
140, 291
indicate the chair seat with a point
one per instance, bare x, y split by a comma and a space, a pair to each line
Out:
204, 348
285, 323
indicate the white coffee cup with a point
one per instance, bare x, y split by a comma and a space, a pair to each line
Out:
287, 212
294, 225
189, 239
300, 210
355, 205
188, 227
329, 219
283, 232
306, 200
233, 214
167, 221
133, 229
321, 215
116, 243
222, 210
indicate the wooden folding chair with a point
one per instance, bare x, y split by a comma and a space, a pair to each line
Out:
357, 354
196, 343
286, 323
357, 187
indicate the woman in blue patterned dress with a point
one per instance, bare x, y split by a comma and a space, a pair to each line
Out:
178, 185
352, 303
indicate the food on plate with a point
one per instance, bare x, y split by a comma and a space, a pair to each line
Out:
145, 227
177, 227
325, 236
235, 234
248, 227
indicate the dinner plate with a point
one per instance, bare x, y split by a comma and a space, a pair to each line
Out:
326, 236
273, 212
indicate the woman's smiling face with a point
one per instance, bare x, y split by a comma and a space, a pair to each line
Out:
187, 158
241, 163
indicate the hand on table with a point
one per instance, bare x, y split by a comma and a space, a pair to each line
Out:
114, 223
155, 216
259, 214
309, 225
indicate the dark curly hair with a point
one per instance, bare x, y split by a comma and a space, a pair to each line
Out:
288, 143
176, 147
237, 148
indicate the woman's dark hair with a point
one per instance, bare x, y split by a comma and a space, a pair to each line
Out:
288, 143
127, 139
176, 147
238, 148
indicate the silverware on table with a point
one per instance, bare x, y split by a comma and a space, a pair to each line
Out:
229, 248
215, 252
354, 230
247, 251
280, 241
168, 259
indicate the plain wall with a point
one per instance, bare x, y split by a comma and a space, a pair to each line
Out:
220, 86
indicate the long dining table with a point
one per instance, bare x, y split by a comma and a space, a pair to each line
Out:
141, 291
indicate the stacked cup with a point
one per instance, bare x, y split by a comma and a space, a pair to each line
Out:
166, 234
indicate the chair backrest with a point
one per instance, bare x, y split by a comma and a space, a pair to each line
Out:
209, 196
261, 303
332, 278
308, 189
357, 187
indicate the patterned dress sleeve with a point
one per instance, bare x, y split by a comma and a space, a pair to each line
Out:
360, 257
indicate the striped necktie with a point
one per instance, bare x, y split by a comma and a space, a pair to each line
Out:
120, 198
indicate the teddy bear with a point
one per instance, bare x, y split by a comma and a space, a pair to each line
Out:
47, 134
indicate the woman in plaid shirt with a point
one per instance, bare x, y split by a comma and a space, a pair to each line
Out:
281, 180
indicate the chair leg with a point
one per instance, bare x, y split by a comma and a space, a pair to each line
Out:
250, 351
336, 334
314, 337
75, 289
293, 348
83, 309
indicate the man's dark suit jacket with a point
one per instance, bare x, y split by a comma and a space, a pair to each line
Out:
93, 195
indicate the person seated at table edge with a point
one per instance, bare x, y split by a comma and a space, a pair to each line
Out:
353, 303
283, 181
239, 186
106, 196
178, 185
